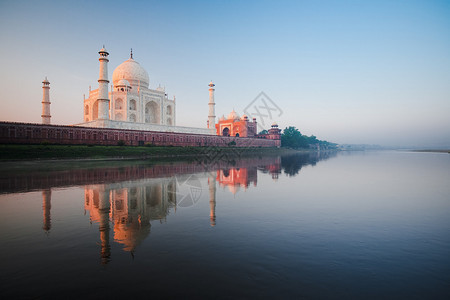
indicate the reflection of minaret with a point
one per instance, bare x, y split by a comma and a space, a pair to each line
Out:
46, 206
212, 198
104, 209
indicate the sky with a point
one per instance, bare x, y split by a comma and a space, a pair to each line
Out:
359, 72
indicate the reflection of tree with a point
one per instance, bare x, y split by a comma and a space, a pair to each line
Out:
292, 164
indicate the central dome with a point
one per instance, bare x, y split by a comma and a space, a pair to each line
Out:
131, 71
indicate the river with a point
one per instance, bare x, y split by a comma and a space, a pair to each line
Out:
334, 225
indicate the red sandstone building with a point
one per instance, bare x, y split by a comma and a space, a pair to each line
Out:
237, 126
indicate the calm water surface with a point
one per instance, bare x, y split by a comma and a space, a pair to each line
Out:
346, 225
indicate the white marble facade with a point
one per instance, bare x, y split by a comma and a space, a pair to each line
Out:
131, 99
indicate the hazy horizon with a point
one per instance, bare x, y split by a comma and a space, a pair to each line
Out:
348, 72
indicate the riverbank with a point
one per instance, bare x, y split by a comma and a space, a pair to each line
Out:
85, 152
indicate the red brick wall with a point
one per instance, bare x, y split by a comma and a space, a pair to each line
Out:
25, 133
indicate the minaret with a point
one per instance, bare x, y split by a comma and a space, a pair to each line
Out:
46, 102
211, 104
103, 99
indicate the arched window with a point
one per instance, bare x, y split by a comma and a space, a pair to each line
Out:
132, 104
169, 110
132, 118
118, 117
237, 134
226, 131
86, 109
119, 104
169, 121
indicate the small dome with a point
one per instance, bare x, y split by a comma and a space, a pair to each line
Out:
123, 82
233, 115
222, 118
244, 117
132, 71
274, 124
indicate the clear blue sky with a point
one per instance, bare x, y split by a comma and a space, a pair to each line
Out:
346, 71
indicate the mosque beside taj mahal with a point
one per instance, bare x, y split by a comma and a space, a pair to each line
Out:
129, 110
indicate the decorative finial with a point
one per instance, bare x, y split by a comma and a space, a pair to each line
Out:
103, 46
131, 54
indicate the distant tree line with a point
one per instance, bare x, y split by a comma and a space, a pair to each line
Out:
292, 138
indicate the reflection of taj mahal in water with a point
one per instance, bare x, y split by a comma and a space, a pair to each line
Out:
124, 210
129, 207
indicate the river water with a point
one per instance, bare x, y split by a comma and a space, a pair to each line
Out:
321, 225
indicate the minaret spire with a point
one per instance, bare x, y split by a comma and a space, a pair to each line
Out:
46, 102
211, 104
103, 99
131, 53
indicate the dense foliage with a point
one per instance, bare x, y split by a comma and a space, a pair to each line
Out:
292, 138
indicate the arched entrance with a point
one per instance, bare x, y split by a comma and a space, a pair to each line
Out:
226, 131
152, 113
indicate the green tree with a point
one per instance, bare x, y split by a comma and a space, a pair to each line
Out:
263, 132
312, 140
292, 137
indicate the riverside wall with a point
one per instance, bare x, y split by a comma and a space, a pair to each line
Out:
28, 133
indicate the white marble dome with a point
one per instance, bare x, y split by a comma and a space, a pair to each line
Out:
131, 71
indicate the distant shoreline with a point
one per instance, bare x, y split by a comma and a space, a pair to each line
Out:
432, 150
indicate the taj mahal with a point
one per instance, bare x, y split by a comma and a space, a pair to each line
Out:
131, 99
130, 103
